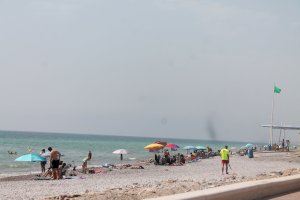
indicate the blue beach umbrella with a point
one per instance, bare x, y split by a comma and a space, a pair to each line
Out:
201, 148
189, 148
32, 157
249, 145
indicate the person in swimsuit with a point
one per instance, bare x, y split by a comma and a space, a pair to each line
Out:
54, 162
85, 161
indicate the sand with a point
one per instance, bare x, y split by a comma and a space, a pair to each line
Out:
153, 180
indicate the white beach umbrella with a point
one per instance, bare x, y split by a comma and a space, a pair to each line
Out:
120, 152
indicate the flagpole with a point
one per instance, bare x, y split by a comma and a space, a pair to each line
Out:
272, 118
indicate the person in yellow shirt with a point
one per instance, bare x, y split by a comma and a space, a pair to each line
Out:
224, 153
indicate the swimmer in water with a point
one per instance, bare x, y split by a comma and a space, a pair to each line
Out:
12, 152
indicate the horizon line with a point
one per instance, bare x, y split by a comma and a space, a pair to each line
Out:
115, 135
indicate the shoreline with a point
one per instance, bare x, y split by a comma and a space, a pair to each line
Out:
156, 180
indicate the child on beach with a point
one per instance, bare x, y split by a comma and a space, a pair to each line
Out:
62, 170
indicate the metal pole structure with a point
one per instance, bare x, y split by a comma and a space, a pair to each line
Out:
284, 133
272, 119
280, 135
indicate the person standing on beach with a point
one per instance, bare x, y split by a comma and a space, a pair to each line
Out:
225, 158
43, 163
85, 161
54, 162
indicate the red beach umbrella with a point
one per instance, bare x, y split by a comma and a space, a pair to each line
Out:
172, 146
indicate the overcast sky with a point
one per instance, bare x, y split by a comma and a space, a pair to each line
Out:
168, 68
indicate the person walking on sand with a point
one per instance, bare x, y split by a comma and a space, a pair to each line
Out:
54, 162
224, 153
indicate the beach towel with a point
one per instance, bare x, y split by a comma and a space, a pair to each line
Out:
41, 178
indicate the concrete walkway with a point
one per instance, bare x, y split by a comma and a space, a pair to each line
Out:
290, 196
274, 188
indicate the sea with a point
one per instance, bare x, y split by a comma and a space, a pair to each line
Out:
75, 147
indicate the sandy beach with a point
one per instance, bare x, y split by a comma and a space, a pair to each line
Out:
153, 180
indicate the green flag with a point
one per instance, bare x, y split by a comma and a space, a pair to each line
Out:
277, 90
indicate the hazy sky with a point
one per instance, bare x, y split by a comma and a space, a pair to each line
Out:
169, 68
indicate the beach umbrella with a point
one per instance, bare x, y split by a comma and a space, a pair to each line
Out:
160, 142
249, 145
201, 148
189, 148
154, 146
120, 152
32, 157
172, 146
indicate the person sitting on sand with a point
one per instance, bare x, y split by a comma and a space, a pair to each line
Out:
54, 162
163, 160
193, 156
225, 158
167, 156
173, 160
178, 158
84, 164
62, 170
182, 159
48, 173
43, 163
158, 159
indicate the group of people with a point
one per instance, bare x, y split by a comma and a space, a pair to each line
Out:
167, 159
180, 159
56, 168
284, 146
200, 154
